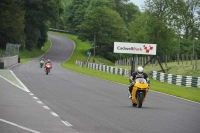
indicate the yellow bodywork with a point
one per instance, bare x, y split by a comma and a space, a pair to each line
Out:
140, 85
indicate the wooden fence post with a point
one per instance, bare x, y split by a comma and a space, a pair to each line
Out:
156, 62
178, 58
196, 62
142, 60
153, 61
175, 60
186, 58
182, 58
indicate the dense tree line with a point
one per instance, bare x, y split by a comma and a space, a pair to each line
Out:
26, 22
104, 21
11, 21
172, 25
167, 23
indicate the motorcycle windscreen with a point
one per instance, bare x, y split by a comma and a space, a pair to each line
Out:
141, 80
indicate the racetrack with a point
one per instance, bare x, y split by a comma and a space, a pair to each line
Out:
93, 105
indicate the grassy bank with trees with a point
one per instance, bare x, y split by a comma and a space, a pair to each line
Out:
26, 55
28, 23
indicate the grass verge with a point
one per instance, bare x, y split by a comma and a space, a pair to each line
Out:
184, 68
26, 56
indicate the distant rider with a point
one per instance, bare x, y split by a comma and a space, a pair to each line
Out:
42, 60
138, 74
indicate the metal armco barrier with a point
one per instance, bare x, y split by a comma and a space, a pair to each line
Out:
108, 69
188, 81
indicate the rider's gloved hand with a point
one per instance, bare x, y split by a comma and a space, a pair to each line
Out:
131, 79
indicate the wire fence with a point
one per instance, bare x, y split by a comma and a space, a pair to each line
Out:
12, 49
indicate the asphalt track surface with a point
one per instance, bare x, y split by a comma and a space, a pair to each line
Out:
87, 104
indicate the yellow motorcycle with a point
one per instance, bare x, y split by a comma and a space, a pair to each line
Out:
139, 92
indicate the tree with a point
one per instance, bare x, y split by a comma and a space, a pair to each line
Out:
146, 28
38, 13
104, 25
137, 29
11, 22
161, 13
126, 10
130, 10
96, 3
75, 12
60, 23
189, 18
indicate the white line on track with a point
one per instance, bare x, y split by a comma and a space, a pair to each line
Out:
54, 114
25, 88
14, 84
67, 123
40, 102
14, 124
46, 107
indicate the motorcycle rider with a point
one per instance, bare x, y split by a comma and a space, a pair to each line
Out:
41, 62
48, 61
42, 59
138, 74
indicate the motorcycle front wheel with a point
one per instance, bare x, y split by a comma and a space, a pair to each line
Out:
134, 104
140, 99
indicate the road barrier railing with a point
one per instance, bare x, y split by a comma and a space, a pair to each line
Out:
105, 68
188, 81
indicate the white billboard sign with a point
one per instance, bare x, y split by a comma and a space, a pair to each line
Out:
135, 48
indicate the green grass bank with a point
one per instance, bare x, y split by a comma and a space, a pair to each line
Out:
26, 56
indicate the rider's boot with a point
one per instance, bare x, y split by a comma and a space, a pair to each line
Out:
129, 94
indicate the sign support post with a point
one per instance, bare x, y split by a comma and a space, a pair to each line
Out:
158, 63
133, 65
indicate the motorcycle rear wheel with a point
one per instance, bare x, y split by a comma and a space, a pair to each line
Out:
47, 71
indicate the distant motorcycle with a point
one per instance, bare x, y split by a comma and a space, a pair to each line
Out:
48, 67
41, 63
139, 92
